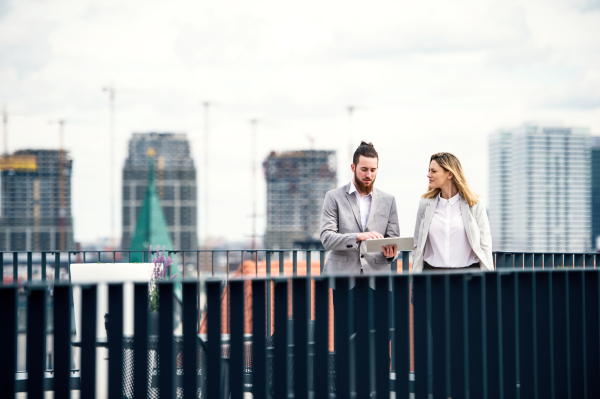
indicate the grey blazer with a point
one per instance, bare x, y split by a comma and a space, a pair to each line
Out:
477, 228
340, 224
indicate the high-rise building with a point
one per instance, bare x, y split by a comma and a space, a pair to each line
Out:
296, 185
595, 195
36, 201
175, 180
539, 196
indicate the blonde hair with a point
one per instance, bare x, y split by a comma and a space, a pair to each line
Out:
450, 163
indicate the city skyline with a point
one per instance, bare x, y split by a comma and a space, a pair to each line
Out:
541, 200
421, 78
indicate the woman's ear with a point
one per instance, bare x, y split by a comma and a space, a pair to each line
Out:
450, 176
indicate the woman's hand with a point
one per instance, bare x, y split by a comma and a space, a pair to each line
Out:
390, 251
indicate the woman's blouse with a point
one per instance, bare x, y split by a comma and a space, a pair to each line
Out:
447, 244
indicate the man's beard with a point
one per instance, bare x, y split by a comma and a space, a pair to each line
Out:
361, 186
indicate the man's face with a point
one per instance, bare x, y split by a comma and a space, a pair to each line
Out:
364, 173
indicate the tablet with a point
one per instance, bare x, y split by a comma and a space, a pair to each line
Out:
403, 243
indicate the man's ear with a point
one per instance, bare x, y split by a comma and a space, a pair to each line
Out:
352, 167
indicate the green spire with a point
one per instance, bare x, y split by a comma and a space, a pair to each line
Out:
151, 226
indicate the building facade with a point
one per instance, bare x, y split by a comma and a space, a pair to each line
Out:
539, 193
175, 180
36, 201
595, 195
296, 185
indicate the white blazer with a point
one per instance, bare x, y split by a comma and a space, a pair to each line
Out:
476, 225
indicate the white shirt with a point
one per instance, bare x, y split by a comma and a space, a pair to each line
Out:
447, 244
364, 205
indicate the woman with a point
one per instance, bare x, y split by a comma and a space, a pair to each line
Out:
452, 231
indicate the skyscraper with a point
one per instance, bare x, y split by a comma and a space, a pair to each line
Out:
36, 201
296, 185
595, 195
175, 179
540, 189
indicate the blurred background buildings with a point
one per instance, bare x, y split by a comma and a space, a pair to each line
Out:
175, 179
539, 189
36, 201
296, 185
595, 194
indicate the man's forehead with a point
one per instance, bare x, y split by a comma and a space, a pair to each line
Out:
365, 162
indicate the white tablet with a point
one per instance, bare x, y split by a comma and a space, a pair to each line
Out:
403, 243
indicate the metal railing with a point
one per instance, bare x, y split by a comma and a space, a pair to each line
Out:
529, 329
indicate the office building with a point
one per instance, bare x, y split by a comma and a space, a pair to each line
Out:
296, 185
36, 201
539, 189
175, 180
595, 195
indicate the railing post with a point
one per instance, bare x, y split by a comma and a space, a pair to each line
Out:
560, 333
165, 340
280, 343
62, 340
321, 359
140, 352
508, 341
321, 260
527, 330
36, 341
88, 341
8, 337
592, 345
281, 266
301, 316
260, 380
236, 357
213, 341
492, 328
15, 267
190, 340
421, 289
576, 334
115, 340
342, 337
401, 306
43, 266
295, 263
382, 336
361, 337
544, 378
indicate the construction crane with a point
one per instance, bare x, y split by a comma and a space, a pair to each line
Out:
206, 105
254, 133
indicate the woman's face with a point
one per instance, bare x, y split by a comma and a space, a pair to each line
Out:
437, 175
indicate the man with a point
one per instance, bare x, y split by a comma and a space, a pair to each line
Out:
357, 212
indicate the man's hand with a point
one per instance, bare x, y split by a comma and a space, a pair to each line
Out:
368, 235
390, 251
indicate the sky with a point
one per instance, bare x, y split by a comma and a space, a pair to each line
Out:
424, 77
